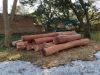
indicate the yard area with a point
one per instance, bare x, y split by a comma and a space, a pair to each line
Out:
13, 62
50, 37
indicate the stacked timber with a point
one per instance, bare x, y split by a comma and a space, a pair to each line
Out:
51, 43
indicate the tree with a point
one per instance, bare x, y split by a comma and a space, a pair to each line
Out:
6, 24
80, 8
8, 21
13, 11
52, 8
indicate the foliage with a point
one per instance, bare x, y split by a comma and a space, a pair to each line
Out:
50, 9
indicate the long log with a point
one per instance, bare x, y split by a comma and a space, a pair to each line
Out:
66, 38
31, 38
56, 48
43, 40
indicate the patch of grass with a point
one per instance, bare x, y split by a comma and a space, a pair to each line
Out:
96, 36
2, 49
18, 55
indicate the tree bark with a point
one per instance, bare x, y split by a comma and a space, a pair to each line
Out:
13, 11
7, 27
8, 21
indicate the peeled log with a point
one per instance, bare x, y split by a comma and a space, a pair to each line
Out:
56, 48
38, 47
66, 38
21, 45
31, 38
43, 40
30, 46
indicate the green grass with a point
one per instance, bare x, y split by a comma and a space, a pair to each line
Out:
96, 36
2, 49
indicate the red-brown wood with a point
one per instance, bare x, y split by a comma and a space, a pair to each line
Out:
56, 48
43, 40
21, 45
32, 37
66, 38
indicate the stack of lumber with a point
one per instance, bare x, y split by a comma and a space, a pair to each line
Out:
50, 43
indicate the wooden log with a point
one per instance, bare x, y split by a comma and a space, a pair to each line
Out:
56, 48
38, 47
32, 37
66, 38
43, 40
30, 46
20, 45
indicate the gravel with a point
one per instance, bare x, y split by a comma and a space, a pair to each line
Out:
74, 68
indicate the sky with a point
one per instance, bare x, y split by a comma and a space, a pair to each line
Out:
10, 2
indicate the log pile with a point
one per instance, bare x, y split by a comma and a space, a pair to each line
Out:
50, 43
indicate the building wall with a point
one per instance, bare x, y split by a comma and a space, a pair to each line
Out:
21, 24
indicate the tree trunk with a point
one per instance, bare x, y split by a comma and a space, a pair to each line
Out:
6, 24
87, 26
11, 17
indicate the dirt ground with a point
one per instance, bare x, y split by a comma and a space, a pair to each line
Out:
61, 58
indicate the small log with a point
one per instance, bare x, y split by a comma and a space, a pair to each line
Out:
31, 38
20, 45
43, 40
30, 46
66, 38
38, 47
56, 48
